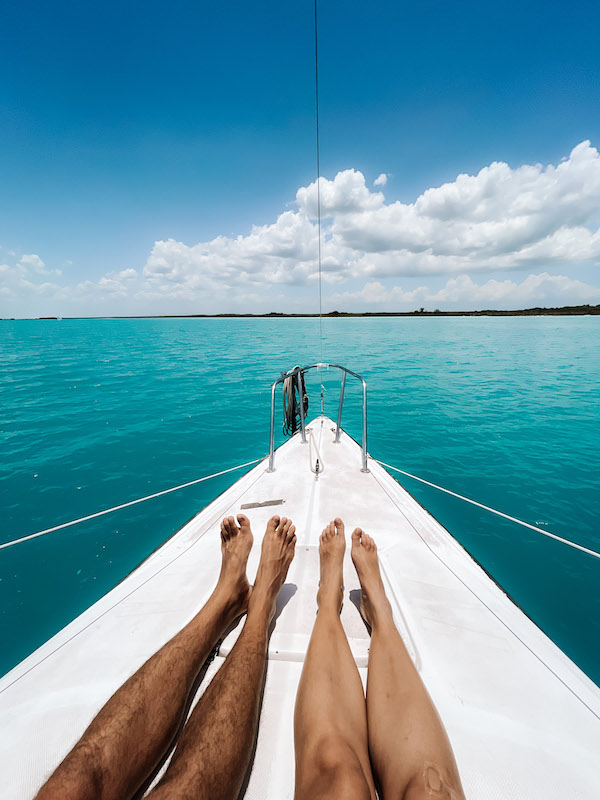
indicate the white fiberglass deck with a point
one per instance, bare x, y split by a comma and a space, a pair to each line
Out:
523, 719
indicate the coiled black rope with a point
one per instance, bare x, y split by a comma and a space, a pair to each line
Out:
294, 392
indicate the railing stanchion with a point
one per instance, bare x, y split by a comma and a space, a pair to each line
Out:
364, 432
339, 419
272, 435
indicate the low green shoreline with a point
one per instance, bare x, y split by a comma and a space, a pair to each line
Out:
526, 312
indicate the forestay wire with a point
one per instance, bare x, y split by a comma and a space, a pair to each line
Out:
319, 202
318, 179
494, 511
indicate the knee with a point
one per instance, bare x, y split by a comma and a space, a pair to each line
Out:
336, 768
332, 754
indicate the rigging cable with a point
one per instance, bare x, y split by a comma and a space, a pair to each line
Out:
318, 180
320, 469
492, 510
125, 505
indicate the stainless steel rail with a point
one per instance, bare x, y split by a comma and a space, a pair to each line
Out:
297, 372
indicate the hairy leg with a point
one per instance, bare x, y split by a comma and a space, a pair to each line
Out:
330, 721
410, 750
214, 751
132, 732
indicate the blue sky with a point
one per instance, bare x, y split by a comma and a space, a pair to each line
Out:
127, 126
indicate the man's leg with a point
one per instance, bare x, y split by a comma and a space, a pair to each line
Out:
410, 751
214, 751
330, 721
132, 732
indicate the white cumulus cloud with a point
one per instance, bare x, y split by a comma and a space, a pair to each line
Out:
461, 292
543, 220
31, 262
530, 217
347, 193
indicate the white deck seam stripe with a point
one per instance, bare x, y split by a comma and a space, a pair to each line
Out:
139, 586
426, 543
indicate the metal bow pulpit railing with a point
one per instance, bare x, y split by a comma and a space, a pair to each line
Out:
297, 374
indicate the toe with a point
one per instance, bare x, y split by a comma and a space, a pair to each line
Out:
339, 525
356, 534
224, 535
273, 523
281, 526
291, 533
243, 521
291, 547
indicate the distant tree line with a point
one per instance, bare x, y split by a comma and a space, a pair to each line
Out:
421, 312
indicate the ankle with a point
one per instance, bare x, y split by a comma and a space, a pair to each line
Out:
330, 598
261, 608
382, 616
230, 603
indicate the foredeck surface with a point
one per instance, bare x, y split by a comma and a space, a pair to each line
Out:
523, 720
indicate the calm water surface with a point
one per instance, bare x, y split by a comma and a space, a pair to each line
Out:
97, 412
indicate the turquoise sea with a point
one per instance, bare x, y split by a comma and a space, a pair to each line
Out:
97, 412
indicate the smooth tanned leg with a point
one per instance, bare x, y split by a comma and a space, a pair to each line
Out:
330, 721
132, 732
410, 750
216, 745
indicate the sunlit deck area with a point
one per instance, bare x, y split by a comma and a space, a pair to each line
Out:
523, 720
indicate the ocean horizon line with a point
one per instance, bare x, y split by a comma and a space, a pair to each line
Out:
580, 310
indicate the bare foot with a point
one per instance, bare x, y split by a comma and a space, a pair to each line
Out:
277, 552
374, 605
332, 544
236, 543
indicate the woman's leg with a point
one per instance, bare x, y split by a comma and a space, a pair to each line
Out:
330, 721
410, 750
